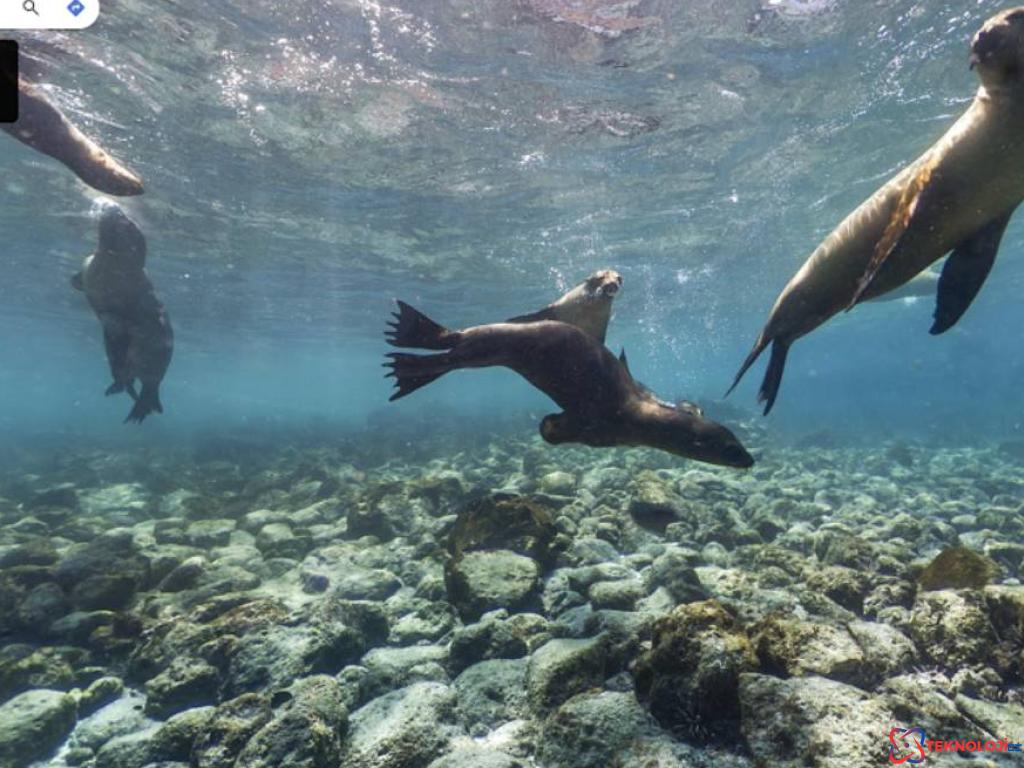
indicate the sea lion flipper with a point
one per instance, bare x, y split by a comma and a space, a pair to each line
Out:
773, 375
116, 345
548, 313
411, 328
411, 372
899, 222
78, 282
624, 361
964, 273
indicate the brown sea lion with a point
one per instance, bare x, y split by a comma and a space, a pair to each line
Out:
136, 330
42, 126
588, 306
958, 196
602, 405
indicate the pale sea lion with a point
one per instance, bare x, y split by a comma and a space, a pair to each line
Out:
42, 126
588, 306
136, 330
958, 196
602, 404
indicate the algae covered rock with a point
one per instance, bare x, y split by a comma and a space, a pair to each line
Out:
561, 668
958, 568
952, 629
33, 724
792, 647
590, 729
492, 693
506, 522
690, 677
409, 727
482, 581
228, 730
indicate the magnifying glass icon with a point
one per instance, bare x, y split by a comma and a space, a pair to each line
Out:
29, 6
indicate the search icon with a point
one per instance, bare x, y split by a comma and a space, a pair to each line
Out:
29, 6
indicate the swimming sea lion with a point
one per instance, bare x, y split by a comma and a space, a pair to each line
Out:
136, 330
602, 404
958, 196
588, 306
924, 284
42, 126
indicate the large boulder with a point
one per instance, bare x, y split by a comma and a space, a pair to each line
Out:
33, 724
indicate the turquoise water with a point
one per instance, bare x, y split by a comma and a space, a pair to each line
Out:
305, 166
285, 569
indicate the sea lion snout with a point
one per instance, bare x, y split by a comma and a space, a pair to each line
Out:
606, 282
997, 50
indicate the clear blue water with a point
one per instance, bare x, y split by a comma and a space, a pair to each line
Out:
307, 162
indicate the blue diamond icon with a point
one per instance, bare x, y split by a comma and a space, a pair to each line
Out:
76, 7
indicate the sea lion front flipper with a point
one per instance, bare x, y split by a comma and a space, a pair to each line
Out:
78, 281
898, 224
42, 126
965, 271
558, 428
548, 313
116, 345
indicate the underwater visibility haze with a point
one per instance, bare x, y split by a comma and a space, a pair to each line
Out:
279, 566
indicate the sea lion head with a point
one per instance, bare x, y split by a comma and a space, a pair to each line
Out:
687, 432
997, 50
120, 237
604, 283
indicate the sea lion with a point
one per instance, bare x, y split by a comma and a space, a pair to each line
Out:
924, 284
602, 404
42, 126
958, 196
588, 306
136, 330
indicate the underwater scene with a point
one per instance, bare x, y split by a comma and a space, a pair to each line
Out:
513, 384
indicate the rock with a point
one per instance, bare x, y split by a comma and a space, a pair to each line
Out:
32, 552
34, 724
494, 637
278, 540
120, 717
23, 668
175, 738
478, 757
307, 732
561, 668
430, 621
503, 522
887, 652
690, 677
845, 586
58, 496
492, 693
790, 647
357, 583
37, 608
674, 572
810, 721
952, 629
130, 750
558, 483
186, 683
391, 668
1001, 720
958, 568
404, 729
228, 730
100, 693
210, 533
104, 573
482, 581
617, 595
653, 504
184, 576
590, 729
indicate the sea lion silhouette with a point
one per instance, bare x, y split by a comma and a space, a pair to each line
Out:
601, 403
958, 196
136, 330
42, 126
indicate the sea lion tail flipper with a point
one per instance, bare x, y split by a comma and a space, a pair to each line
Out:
411, 372
411, 328
759, 347
964, 273
773, 375
147, 403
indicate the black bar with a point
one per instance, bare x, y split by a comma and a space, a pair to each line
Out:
8, 81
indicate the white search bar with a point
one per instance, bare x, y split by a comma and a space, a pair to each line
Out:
48, 14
